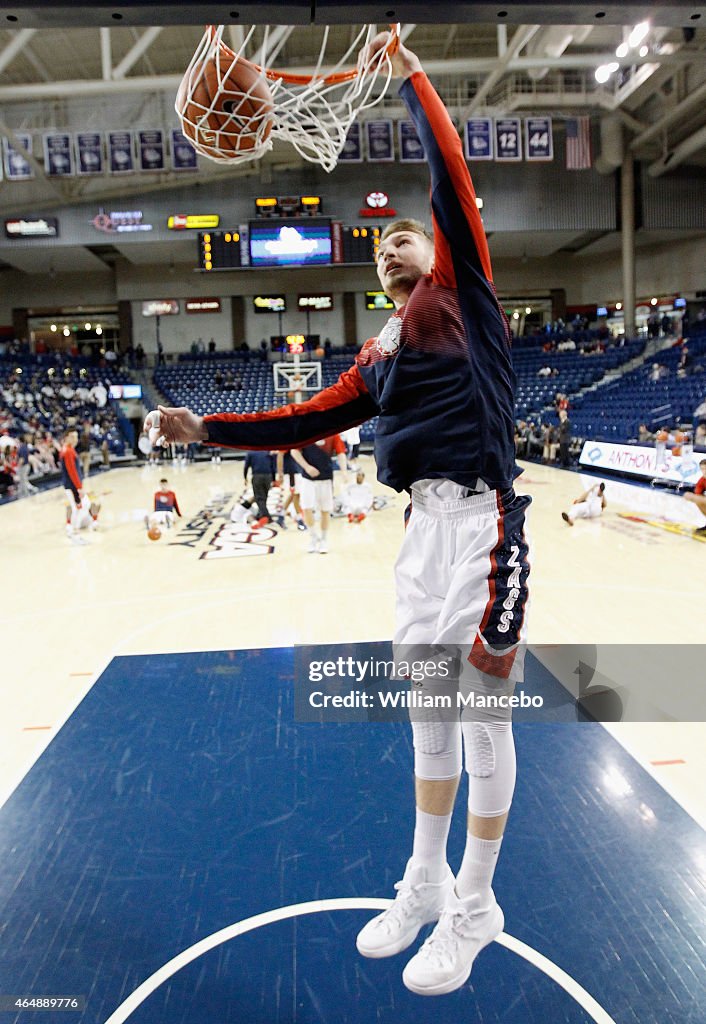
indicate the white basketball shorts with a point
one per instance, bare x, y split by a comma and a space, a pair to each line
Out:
316, 494
461, 576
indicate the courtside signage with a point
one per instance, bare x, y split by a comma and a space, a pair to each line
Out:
641, 461
315, 303
160, 307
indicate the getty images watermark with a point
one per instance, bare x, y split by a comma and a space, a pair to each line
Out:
430, 682
540, 683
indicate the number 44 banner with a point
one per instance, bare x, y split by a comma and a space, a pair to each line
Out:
539, 144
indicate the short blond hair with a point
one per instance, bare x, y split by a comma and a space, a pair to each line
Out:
406, 224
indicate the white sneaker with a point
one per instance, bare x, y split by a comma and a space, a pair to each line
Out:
444, 962
417, 903
323, 546
313, 544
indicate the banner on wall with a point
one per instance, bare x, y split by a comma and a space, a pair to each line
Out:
89, 153
17, 167
150, 148
380, 141
411, 148
539, 143
121, 158
641, 461
352, 151
508, 140
184, 157
58, 158
479, 138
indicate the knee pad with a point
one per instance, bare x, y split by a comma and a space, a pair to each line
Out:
437, 750
489, 750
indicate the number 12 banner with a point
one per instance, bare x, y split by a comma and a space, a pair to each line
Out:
539, 144
508, 139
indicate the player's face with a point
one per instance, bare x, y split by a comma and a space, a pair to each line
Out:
403, 258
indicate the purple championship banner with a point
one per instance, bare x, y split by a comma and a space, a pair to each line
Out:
58, 156
121, 157
539, 143
352, 151
478, 138
89, 153
411, 148
184, 157
380, 141
150, 147
17, 167
508, 140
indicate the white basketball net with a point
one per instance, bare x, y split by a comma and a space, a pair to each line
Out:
314, 115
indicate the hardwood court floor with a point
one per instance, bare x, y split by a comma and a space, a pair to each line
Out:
69, 608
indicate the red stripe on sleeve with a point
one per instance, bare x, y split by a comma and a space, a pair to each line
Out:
450, 145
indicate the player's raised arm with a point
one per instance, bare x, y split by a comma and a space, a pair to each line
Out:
345, 404
458, 228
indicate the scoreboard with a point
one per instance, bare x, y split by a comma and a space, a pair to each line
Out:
360, 244
235, 249
220, 250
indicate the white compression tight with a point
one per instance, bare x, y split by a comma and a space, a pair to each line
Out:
489, 750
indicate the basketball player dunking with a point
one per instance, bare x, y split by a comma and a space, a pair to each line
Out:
439, 377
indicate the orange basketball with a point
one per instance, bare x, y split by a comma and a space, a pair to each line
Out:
229, 109
662, 435
319, 353
154, 533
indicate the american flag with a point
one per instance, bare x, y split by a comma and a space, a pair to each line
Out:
578, 143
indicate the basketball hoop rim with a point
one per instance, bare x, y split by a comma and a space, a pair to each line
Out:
336, 78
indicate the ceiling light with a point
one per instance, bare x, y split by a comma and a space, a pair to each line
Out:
87, 326
528, 310
644, 50
53, 327
622, 50
653, 302
602, 74
66, 332
638, 33
618, 305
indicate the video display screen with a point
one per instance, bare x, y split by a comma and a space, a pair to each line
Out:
290, 243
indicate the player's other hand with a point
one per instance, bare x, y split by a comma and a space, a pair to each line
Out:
311, 470
181, 426
404, 62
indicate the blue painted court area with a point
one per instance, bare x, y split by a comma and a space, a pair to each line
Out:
181, 798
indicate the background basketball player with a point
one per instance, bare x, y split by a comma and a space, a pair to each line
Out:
72, 479
440, 378
588, 505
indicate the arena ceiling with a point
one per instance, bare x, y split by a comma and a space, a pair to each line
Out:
81, 67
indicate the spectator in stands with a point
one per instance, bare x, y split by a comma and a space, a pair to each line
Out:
211, 346
658, 372
700, 435
139, 356
700, 410
535, 439
261, 466
24, 487
666, 325
218, 378
550, 443
544, 371
564, 439
229, 384
644, 435
698, 497
653, 325
685, 366
7, 473
160, 353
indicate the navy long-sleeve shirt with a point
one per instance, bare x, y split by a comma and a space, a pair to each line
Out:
439, 375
